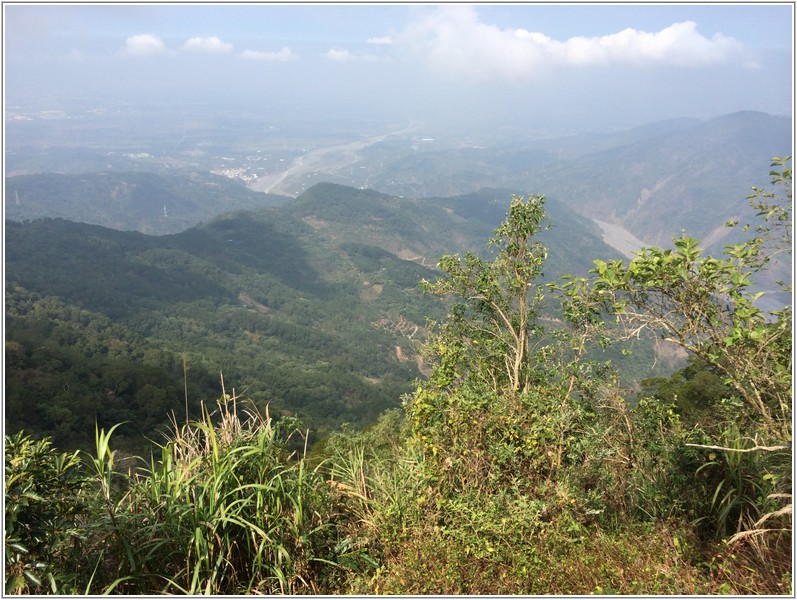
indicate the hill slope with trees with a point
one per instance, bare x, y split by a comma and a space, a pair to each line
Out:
314, 306
152, 203
518, 466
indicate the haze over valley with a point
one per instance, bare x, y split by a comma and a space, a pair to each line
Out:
642, 185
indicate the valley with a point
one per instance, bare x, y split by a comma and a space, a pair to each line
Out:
398, 299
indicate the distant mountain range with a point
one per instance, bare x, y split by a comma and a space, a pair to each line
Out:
153, 203
693, 178
654, 181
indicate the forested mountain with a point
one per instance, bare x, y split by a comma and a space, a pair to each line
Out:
154, 203
521, 462
249, 293
691, 179
654, 180
313, 305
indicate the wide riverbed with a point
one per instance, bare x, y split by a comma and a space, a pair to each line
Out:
327, 159
620, 238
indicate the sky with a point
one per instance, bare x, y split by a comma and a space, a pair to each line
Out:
607, 65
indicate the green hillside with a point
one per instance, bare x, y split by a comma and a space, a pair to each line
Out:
314, 305
519, 464
153, 203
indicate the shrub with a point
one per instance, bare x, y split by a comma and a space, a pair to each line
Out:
44, 496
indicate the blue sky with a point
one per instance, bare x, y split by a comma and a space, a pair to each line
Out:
612, 65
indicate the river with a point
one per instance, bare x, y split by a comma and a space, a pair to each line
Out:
328, 159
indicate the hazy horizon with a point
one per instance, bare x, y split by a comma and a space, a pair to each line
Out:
557, 67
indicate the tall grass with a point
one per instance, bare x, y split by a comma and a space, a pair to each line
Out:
379, 484
221, 507
225, 506
749, 481
229, 510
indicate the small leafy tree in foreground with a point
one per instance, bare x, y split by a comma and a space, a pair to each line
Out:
493, 326
511, 404
43, 496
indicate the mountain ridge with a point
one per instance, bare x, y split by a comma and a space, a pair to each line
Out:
323, 321
154, 203
654, 180
694, 179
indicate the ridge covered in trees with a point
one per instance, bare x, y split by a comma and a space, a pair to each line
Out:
519, 465
312, 306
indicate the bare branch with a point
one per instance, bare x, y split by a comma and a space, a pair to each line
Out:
753, 449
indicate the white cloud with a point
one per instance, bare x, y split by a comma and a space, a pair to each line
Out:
211, 45
339, 55
285, 54
679, 45
453, 40
143, 45
384, 40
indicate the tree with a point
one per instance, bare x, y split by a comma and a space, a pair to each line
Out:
506, 400
496, 318
705, 304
